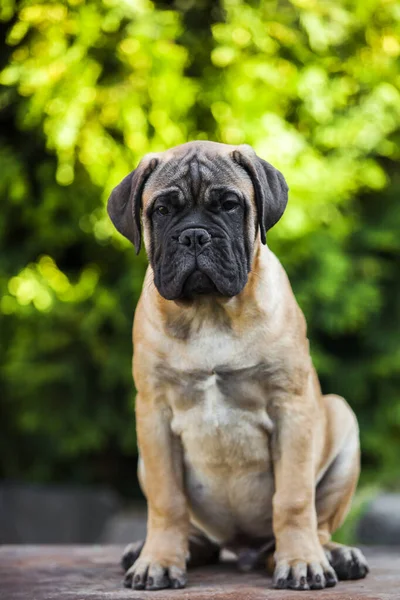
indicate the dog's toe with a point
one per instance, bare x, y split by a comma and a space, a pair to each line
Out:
282, 575
157, 578
298, 580
131, 554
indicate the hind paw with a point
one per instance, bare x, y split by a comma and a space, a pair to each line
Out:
348, 563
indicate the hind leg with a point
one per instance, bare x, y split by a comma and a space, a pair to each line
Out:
336, 488
202, 551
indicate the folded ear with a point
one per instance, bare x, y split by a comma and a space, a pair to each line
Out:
270, 188
125, 202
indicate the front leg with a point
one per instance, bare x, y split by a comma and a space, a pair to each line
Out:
162, 561
300, 560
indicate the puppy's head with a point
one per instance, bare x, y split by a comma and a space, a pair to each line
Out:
202, 205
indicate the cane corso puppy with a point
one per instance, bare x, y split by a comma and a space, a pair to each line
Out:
239, 448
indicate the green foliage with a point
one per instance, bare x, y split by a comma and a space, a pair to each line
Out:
87, 89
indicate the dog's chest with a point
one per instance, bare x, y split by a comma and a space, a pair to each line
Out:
217, 393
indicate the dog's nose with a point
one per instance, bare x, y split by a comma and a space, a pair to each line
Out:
194, 237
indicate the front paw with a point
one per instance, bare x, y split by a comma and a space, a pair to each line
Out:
152, 572
303, 575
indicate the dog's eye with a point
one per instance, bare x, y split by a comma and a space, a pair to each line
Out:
229, 204
162, 210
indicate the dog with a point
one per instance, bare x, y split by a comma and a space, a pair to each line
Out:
238, 446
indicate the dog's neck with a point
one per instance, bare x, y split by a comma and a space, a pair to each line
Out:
180, 317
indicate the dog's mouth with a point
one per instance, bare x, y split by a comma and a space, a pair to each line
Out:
198, 283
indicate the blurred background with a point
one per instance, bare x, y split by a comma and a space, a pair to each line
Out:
87, 88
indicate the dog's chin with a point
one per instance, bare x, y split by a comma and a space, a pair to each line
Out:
198, 284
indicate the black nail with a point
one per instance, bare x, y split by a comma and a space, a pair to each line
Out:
330, 580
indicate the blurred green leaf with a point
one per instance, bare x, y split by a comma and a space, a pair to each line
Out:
87, 88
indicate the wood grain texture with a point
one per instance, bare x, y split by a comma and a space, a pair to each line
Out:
93, 573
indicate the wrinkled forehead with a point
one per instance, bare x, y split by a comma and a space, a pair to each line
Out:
194, 174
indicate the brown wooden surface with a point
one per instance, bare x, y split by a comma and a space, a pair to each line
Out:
93, 572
